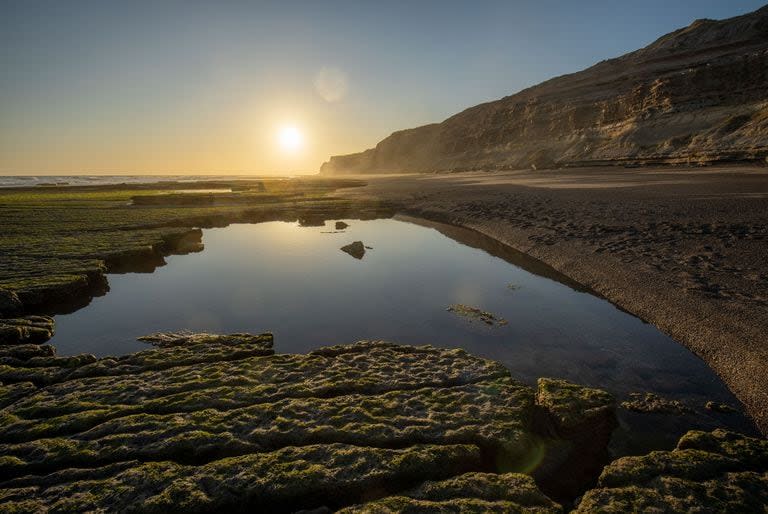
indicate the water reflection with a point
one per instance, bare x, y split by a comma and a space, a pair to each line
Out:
296, 282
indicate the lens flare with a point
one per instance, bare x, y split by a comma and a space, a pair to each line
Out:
331, 84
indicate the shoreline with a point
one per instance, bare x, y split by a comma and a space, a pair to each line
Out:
724, 330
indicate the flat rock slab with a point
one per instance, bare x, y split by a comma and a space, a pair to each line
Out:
286, 480
27, 329
206, 422
210, 423
470, 492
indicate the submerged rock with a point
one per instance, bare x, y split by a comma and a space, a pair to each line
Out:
715, 471
28, 329
650, 402
722, 408
473, 313
356, 249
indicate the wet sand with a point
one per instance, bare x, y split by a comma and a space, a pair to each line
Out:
684, 249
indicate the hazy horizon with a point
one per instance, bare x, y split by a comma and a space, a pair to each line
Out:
241, 88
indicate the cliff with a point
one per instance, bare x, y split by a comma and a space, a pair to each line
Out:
696, 95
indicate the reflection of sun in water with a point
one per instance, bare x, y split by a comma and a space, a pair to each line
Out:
290, 138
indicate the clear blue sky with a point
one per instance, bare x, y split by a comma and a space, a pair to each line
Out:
186, 86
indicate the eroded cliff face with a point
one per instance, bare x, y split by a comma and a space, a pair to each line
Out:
696, 95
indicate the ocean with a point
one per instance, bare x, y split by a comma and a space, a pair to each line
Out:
94, 180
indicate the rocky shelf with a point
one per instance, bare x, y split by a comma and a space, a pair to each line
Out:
213, 423
54, 258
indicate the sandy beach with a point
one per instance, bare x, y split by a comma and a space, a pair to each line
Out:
683, 249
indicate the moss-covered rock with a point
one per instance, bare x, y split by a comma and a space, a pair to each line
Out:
223, 429
27, 329
573, 408
58, 243
181, 351
285, 480
492, 414
653, 403
717, 471
204, 423
473, 313
471, 492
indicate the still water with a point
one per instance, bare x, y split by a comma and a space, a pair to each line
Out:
296, 282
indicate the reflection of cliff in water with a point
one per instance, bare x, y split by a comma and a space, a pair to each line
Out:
475, 239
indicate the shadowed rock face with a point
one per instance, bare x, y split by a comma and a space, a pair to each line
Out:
696, 95
471, 492
28, 329
707, 472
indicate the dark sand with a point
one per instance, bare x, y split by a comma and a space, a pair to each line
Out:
684, 249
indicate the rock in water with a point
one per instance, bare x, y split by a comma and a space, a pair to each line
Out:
722, 408
650, 402
356, 249
340, 225
472, 313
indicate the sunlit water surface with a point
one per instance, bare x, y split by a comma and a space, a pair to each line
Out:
295, 282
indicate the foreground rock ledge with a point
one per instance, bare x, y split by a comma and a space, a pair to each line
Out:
207, 423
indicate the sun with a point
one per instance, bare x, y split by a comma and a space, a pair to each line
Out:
290, 139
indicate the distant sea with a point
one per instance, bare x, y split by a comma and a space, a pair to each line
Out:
94, 180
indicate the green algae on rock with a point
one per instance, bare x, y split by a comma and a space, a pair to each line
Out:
200, 349
651, 402
58, 244
470, 492
288, 479
27, 329
162, 425
715, 471
574, 408
472, 313
206, 422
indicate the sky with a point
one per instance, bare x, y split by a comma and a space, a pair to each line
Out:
172, 86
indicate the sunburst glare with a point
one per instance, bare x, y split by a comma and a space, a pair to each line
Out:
290, 139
